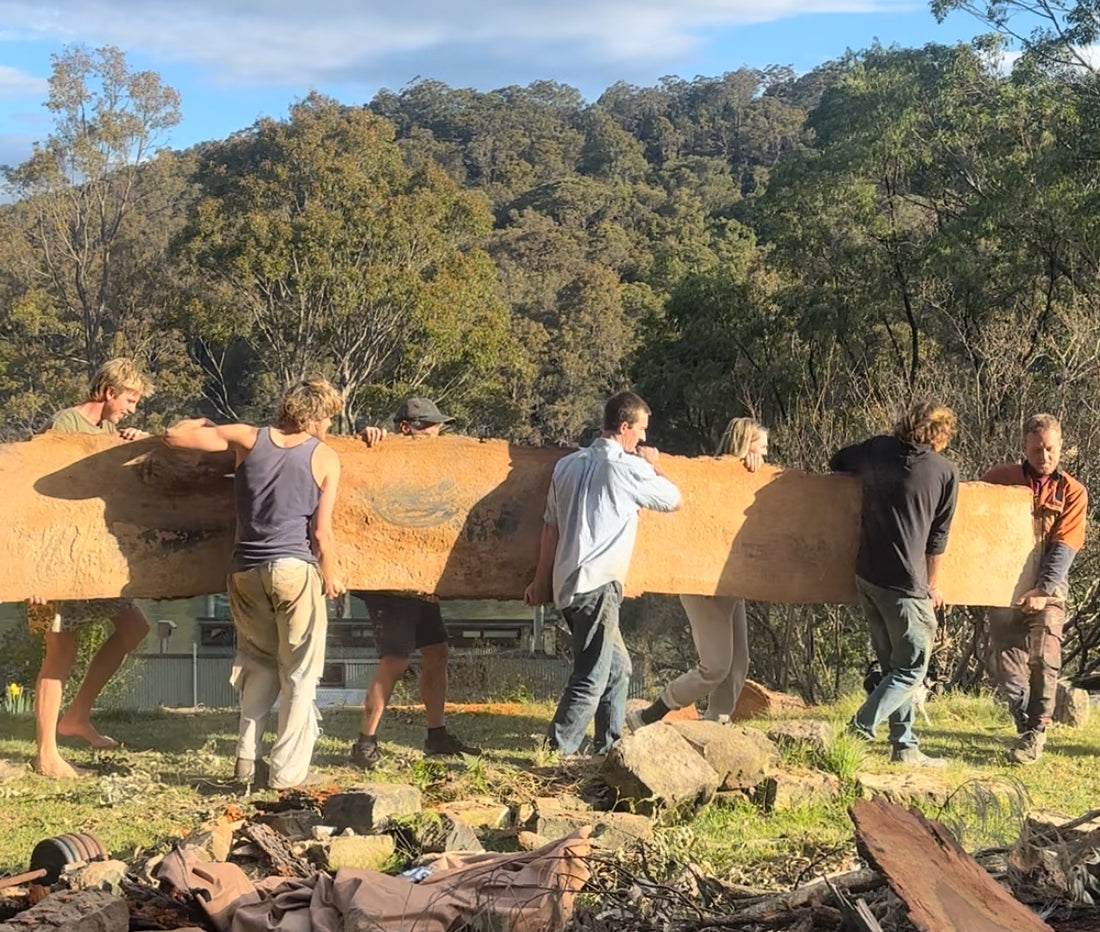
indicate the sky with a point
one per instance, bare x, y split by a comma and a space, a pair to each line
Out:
234, 61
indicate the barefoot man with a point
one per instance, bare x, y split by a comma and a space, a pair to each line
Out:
114, 393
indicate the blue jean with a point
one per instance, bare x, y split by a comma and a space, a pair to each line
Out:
600, 680
903, 629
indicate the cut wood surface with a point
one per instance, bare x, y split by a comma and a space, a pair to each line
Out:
89, 517
943, 887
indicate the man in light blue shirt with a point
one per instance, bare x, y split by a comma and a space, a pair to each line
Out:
588, 533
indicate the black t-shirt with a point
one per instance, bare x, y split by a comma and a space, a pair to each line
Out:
909, 495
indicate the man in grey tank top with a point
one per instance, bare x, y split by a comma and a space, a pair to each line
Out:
284, 566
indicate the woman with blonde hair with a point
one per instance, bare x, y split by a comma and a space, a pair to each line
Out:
719, 625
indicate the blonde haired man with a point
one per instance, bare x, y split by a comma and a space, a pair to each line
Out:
114, 393
284, 566
909, 494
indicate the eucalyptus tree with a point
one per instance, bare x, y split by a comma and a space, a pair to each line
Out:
77, 191
313, 241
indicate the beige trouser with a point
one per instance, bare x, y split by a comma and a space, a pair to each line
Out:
720, 630
281, 619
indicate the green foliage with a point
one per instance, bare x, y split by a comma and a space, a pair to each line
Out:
17, 699
427, 771
82, 242
845, 756
331, 257
986, 812
475, 772
23, 651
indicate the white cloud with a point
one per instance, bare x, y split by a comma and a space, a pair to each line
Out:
16, 83
295, 44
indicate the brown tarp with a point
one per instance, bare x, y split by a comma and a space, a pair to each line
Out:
85, 517
531, 891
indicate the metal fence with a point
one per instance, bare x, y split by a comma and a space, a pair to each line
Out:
185, 680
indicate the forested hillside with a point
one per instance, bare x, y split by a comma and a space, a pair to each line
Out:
814, 250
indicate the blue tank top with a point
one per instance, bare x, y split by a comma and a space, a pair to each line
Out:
276, 496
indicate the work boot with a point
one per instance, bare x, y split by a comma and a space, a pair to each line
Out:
915, 757
441, 743
854, 730
1028, 747
254, 773
365, 753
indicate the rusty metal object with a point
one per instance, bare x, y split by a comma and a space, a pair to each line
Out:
51, 856
92, 517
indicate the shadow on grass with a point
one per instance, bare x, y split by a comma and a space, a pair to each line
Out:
503, 736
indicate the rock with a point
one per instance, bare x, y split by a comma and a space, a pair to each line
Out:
438, 833
1071, 706
73, 911
905, 788
657, 767
479, 813
740, 756
615, 830
610, 830
529, 841
786, 788
368, 807
213, 839
296, 824
756, 701
813, 733
459, 836
566, 802
371, 852
99, 875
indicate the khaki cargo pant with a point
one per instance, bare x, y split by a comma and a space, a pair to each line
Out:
1025, 658
281, 620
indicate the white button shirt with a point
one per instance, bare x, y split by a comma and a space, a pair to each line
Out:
594, 499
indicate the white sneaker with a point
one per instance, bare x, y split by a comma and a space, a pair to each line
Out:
633, 721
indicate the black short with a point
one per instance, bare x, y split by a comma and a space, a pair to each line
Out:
403, 623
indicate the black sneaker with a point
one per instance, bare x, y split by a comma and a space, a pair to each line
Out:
444, 744
365, 754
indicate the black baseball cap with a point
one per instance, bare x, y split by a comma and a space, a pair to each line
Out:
421, 409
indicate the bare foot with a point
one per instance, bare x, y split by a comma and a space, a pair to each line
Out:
57, 768
86, 732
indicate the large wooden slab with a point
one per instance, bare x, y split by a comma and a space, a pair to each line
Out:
85, 516
943, 887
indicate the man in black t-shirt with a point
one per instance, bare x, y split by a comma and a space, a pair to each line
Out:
404, 624
909, 493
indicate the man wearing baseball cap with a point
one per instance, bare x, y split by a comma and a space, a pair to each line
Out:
403, 624
419, 417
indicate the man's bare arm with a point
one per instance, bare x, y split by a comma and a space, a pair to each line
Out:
202, 434
326, 470
541, 589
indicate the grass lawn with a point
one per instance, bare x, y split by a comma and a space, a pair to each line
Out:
175, 771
